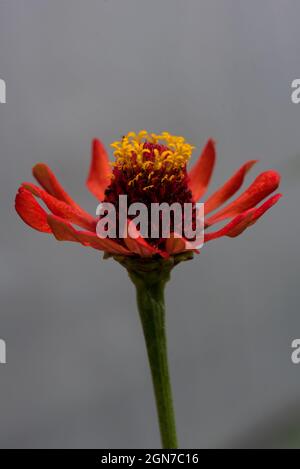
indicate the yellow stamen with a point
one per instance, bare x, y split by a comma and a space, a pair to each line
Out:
169, 162
178, 151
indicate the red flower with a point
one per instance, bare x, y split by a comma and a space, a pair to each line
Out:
148, 168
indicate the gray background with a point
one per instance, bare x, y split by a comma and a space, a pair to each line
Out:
77, 374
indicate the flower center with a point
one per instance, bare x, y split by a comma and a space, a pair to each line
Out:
147, 166
150, 168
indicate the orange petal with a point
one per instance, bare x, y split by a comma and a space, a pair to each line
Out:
263, 185
201, 172
64, 231
229, 188
30, 211
62, 209
100, 171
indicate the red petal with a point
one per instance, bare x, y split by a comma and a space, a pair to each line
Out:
140, 246
175, 245
104, 244
226, 229
201, 172
48, 181
254, 215
64, 231
60, 208
229, 188
100, 171
30, 211
263, 185
236, 226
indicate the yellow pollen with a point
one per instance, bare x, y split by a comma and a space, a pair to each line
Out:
130, 153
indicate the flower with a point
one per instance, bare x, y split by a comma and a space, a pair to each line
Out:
147, 168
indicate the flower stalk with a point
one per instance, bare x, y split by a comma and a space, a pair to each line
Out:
151, 306
150, 279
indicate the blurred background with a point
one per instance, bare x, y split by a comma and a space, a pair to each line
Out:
76, 373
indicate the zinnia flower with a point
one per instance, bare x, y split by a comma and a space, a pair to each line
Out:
148, 168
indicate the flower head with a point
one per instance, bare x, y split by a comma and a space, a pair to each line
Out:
147, 168
151, 167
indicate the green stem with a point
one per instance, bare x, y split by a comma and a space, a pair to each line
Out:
151, 305
150, 277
